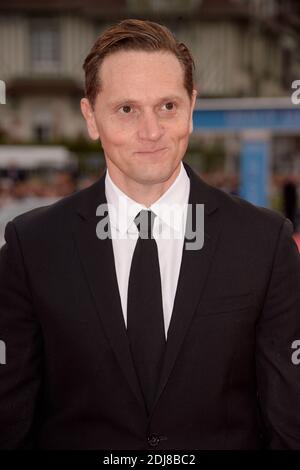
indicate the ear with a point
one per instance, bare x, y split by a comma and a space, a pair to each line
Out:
89, 117
193, 102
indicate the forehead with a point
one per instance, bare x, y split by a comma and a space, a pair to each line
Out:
141, 73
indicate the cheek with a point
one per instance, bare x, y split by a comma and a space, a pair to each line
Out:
114, 136
180, 131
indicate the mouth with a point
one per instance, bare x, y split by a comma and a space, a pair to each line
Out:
151, 152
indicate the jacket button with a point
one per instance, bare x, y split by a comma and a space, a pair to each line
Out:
153, 440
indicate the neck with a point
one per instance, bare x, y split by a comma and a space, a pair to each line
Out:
142, 193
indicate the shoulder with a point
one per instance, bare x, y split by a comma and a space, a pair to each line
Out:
236, 207
45, 221
235, 211
244, 221
249, 213
58, 210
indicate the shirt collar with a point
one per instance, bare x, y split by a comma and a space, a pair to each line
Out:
169, 208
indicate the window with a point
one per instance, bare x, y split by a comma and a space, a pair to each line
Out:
42, 126
44, 45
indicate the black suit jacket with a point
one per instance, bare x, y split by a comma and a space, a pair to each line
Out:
228, 379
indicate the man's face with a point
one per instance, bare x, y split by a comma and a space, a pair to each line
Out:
142, 115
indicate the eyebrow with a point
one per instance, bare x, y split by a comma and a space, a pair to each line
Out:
121, 101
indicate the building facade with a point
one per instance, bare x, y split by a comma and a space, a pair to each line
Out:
242, 48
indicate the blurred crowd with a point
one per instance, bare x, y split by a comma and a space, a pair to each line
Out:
20, 192
56, 185
17, 186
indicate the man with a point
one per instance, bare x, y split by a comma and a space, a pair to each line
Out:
119, 332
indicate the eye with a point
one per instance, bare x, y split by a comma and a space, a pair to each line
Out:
126, 109
169, 106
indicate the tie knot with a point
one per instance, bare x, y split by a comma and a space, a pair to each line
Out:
144, 222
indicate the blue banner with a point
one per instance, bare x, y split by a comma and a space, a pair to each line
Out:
254, 171
239, 119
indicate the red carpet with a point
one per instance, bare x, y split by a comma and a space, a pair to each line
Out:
297, 239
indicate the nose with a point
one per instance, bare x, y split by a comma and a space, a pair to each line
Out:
149, 126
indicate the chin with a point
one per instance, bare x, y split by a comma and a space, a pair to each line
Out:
154, 176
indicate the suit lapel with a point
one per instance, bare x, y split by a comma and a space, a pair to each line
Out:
98, 264
193, 273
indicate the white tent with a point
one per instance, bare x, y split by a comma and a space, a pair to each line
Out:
34, 156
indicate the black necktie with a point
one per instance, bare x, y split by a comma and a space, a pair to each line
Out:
145, 322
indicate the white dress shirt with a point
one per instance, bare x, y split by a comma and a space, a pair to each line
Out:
168, 231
